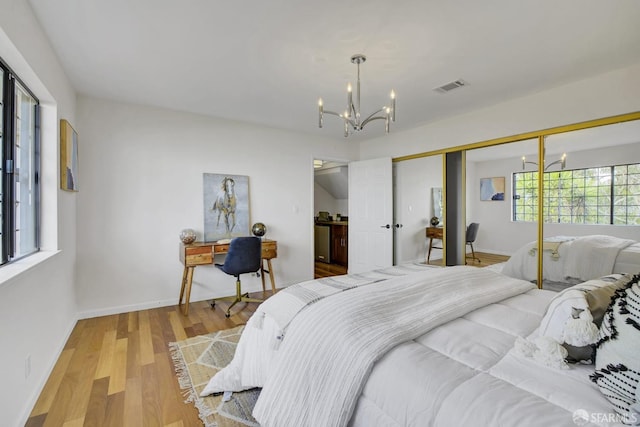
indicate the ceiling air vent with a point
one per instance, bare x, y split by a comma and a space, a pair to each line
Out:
451, 86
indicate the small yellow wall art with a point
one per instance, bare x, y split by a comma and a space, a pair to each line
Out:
492, 188
68, 157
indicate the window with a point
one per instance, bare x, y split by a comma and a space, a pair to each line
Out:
602, 195
19, 167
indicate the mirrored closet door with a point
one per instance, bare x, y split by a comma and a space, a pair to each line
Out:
591, 189
501, 205
417, 199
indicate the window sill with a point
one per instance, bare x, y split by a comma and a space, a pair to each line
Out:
13, 270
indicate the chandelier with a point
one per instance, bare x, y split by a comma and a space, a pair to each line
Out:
352, 119
562, 161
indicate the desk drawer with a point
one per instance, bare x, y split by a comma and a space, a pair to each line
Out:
221, 249
269, 252
198, 255
434, 232
269, 249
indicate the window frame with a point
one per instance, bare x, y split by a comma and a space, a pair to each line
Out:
8, 156
600, 190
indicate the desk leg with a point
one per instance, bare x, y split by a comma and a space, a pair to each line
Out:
184, 282
273, 281
430, 246
262, 274
188, 281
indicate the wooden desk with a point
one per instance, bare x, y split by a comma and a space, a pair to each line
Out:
204, 253
433, 233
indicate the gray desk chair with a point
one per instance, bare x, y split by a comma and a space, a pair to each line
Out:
472, 232
244, 256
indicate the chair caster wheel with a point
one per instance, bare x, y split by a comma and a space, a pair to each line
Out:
213, 304
227, 315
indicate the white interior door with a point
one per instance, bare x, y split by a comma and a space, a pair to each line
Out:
370, 215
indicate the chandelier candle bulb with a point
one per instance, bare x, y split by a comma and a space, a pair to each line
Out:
349, 97
393, 106
386, 121
320, 112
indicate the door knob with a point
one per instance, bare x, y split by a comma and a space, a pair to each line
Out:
398, 226
385, 226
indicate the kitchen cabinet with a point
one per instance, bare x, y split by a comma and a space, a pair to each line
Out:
339, 244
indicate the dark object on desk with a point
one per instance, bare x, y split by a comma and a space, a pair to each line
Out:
259, 229
472, 232
245, 256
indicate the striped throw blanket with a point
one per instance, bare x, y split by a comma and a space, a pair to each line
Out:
332, 345
293, 299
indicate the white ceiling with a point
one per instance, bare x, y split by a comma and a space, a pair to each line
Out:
267, 62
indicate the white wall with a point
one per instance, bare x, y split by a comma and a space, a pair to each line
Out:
498, 234
37, 298
609, 94
413, 181
141, 175
323, 201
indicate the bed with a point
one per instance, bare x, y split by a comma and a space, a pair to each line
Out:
568, 260
408, 346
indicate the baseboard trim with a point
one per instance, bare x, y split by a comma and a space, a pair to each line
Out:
126, 308
42, 381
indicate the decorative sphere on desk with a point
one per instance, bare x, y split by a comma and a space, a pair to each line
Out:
187, 236
435, 221
259, 229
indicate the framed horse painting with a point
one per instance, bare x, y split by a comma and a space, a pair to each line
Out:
226, 206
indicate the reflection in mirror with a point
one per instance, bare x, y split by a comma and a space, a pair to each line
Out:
507, 224
413, 208
592, 205
436, 206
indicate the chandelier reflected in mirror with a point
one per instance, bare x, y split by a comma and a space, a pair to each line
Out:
352, 118
562, 161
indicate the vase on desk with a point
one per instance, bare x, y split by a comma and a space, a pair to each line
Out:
188, 236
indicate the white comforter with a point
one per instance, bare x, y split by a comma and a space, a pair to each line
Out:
320, 373
461, 373
464, 373
573, 260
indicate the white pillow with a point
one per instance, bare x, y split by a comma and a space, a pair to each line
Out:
618, 353
574, 316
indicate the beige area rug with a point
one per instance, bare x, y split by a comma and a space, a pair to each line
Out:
196, 360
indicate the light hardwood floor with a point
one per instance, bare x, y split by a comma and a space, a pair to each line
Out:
486, 259
117, 370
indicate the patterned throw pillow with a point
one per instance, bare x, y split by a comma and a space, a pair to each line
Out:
618, 353
575, 314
